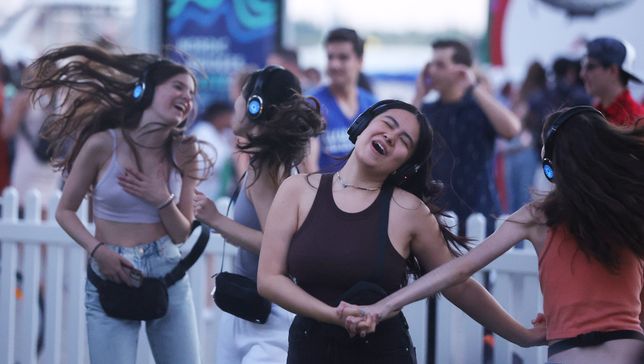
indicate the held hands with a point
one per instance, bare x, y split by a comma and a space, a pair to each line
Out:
151, 188
362, 320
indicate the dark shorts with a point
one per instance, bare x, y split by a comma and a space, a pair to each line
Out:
313, 342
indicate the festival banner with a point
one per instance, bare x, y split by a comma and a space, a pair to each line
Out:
218, 38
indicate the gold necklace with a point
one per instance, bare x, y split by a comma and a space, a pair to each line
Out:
345, 185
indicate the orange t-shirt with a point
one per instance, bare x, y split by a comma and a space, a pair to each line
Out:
580, 295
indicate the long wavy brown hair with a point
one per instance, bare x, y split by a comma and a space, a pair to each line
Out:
599, 179
91, 91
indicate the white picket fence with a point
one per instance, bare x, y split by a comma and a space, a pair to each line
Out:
53, 267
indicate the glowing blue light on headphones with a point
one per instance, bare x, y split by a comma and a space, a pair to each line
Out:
138, 91
548, 171
254, 106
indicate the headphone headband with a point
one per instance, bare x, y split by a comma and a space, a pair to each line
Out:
549, 136
362, 121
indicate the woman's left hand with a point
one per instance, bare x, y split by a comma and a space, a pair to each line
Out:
151, 188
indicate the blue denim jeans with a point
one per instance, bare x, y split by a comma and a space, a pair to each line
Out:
173, 338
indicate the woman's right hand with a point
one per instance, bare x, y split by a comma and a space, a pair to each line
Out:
537, 334
114, 267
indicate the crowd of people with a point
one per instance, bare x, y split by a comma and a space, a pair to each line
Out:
340, 197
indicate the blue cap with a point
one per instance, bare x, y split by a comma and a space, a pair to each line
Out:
611, 51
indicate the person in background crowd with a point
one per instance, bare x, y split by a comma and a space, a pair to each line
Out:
30, 169
342, 100
467, 120
4, 148
215, 129
606, 70
519, 156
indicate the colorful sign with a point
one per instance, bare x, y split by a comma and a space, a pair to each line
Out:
217, 38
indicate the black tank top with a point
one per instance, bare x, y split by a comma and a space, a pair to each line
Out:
333, 249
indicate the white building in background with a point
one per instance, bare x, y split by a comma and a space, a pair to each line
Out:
27, 28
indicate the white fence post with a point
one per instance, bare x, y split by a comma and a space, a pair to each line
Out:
30, 284
8, 285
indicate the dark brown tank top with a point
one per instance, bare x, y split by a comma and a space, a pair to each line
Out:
333, 249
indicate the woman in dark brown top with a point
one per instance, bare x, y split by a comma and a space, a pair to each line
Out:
325, 233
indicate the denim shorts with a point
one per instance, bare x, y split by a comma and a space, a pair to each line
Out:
173, 338
313, 342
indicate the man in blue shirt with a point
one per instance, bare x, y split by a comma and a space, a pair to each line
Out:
342, 100
466, 120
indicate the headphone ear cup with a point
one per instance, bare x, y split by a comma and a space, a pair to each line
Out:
548, 170
254, 107
405, 172
359, 125
143, 90
138, 91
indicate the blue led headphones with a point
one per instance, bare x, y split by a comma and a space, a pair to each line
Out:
143, 91
548, 145
255, 104
362, 121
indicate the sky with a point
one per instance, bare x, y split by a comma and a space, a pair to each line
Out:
370, 15
407, 15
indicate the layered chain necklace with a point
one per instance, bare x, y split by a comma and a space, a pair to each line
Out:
345, 185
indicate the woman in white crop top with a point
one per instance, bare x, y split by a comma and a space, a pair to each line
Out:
126, 116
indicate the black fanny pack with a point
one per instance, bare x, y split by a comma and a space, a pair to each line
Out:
149, 301
238, 296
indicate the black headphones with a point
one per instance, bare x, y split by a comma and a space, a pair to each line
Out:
362, 121
143, 91
548, 146
255, 103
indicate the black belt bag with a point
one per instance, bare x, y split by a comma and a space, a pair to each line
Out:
150, 300
238, 296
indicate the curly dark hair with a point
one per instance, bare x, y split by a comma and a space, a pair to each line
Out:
91, 91
599, 179
286, 125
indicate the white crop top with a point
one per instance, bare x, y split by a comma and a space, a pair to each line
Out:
111, 202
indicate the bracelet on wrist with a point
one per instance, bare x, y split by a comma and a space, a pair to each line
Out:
91, 255
166, 202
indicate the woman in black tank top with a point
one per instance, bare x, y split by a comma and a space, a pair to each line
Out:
354, 235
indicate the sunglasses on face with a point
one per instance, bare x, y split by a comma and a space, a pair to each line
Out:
589, 66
